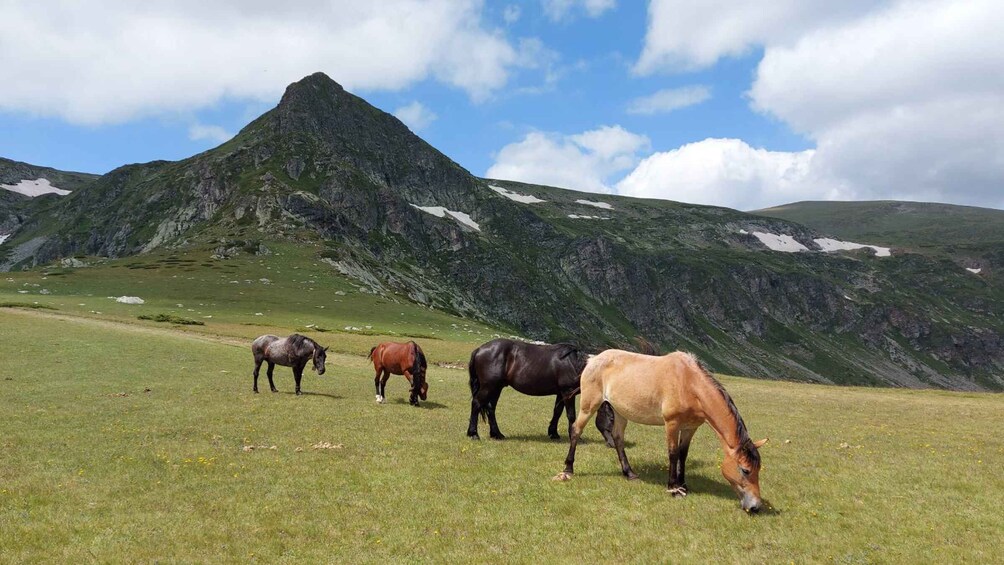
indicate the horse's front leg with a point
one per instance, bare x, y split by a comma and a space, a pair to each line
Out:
376, 384
681, 461
674, 485
552, 429
413, 393
297, 375
271, 383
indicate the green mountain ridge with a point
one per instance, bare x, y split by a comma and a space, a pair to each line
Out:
325, 166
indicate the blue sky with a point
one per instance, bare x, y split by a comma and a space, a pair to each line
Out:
541, 90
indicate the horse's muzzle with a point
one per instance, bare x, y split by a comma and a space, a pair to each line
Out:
751, 504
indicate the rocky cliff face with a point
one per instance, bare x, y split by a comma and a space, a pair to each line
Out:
598, 270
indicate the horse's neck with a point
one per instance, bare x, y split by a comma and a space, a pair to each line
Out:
718, 415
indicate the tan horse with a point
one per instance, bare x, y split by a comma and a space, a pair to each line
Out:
674, 391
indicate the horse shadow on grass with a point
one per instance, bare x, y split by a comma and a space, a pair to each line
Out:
563, 440
427, 404
324, 394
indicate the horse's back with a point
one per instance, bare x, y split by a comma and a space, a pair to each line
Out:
536, 370
395, 357
643, 388
261, 343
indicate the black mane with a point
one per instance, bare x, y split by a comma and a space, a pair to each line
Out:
297, 340
745, 442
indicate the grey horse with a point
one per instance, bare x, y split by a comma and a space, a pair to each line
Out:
293, 351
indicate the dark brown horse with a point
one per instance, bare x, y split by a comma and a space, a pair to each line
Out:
406, 359
536, 370
293, 351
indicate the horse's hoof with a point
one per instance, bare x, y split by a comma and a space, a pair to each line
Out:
678, 492
498, 437
631, 476
474, 435
379, 399
553, 435
562, 476
255, 391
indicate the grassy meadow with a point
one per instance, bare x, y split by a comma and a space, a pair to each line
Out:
135, 441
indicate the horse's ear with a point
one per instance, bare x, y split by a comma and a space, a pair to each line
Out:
761, 443
325, 349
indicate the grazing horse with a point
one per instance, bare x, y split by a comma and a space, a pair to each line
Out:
293, 351
536, 370
674, 391
406, 359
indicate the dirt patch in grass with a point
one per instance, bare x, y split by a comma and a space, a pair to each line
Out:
172, 319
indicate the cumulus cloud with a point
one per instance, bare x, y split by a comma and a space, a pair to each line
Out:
669, 99
110, 62
903, 99
199, 132
416, 116
585, 161
558, 10
727, 172
686, 35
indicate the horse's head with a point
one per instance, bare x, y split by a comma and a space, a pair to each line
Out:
419, 386
320, 356
741, 469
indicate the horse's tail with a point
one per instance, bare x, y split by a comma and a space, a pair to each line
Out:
370, 355
475, 384
570, 395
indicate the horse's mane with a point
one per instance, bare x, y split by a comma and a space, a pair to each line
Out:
745, 442
296, 340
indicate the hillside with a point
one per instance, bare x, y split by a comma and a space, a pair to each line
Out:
326, 169
962, 231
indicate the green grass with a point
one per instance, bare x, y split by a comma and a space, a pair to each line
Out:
128, 445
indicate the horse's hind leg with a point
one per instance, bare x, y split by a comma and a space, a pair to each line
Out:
493, 426
376, 383
271, 383
257, 367
552, 430
383, 386
588, 405
619, 424
605, 423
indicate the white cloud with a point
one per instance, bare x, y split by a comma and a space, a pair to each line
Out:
686, 35
558, 10
118, 60
416, 116
199, 132
511, 14
669, 99
904, 99
728, 172
582, 162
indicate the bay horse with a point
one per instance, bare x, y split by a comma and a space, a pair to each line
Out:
536, 370
675, 391
406, 359
293, 351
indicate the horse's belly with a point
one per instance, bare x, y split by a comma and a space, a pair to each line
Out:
641, 415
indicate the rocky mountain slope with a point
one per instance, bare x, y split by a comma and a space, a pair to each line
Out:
404, 220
